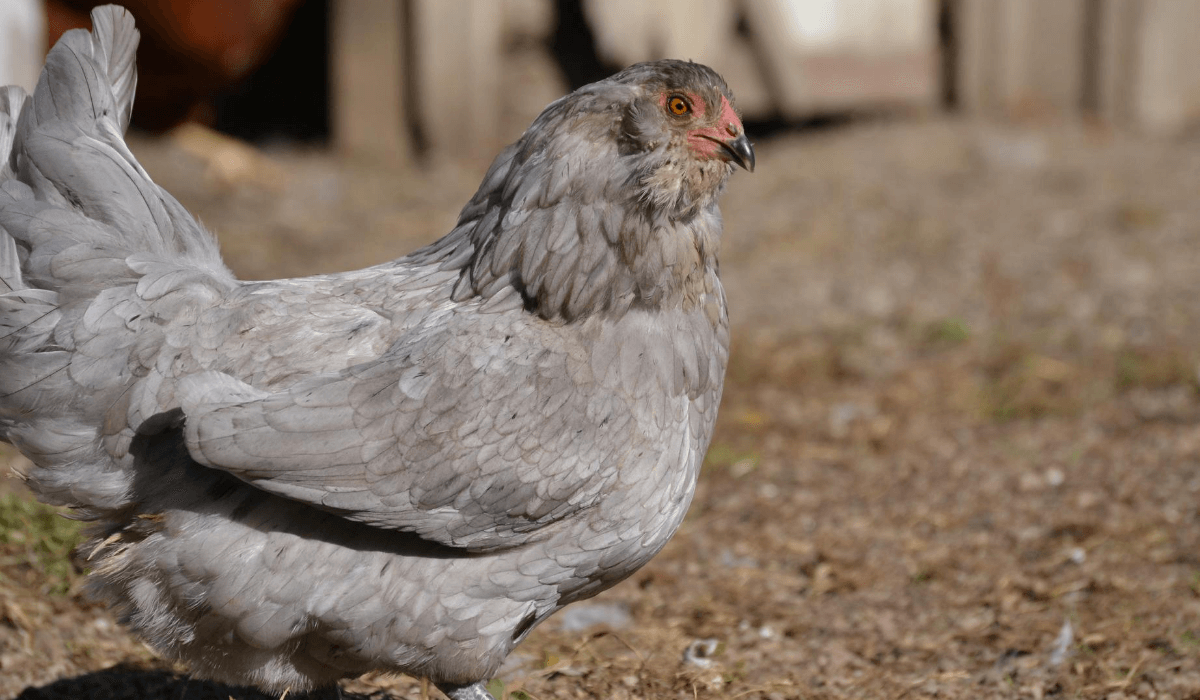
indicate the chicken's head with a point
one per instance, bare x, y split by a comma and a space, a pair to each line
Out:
610, 197
663, 136
682, 124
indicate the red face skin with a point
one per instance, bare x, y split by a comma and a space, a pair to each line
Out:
707, 142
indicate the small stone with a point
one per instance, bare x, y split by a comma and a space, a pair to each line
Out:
582, 616
700, 652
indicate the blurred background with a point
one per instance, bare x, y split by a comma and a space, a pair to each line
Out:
959, 450
394, 77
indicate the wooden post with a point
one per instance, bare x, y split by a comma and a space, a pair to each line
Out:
825, 56
368, 76
1115, 60
1020, 57
628, 31
1164, 85
457, 72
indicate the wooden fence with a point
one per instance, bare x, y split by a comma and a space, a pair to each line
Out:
1129, 63
464, 76
444, 71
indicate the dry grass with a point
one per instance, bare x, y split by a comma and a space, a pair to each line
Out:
961, 419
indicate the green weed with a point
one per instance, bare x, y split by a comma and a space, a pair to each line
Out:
949, 331
39, 537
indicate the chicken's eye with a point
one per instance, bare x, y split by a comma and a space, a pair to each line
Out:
678, 105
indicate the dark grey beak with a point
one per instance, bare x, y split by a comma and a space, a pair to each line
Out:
740, 151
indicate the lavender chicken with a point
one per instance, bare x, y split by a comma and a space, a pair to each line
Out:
402, 468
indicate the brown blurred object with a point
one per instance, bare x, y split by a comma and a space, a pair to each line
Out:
190, 48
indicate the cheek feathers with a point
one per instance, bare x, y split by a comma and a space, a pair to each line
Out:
707, 142
729, 117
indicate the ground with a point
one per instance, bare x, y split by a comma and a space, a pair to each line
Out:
958, 456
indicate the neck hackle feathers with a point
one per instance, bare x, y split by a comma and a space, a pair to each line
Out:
608, 200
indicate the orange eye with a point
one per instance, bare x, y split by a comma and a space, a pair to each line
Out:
678, 105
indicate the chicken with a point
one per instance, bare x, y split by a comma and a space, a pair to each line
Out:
402, 468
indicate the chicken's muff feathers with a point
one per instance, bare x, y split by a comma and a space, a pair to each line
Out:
405, 467
595, 208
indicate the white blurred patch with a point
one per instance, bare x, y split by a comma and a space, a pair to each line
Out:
1062, 644
22, 42
582, 616
871, 25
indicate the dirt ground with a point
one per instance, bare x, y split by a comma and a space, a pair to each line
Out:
958, 457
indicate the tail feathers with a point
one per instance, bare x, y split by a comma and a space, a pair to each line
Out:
70, 151
12, 99
115, 42
27, 316
57, 248
72, 169
90, 76
88, 246
10, 266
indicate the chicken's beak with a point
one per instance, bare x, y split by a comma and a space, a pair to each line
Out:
740, 151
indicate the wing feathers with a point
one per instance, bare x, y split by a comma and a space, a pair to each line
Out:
403, 442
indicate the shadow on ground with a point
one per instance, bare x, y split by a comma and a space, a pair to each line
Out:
126, 683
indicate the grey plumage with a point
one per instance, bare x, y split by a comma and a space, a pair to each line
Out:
405, 467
